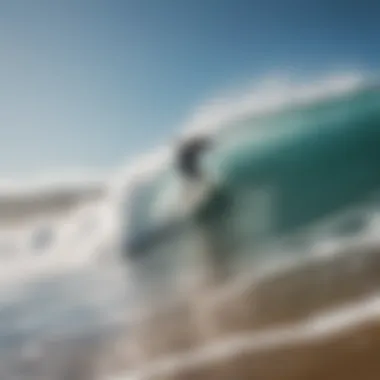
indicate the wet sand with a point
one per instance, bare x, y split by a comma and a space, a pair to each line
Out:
217, 334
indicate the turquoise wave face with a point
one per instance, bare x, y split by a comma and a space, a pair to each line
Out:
314, 161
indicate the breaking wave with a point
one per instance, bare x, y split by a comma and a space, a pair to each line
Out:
60, 263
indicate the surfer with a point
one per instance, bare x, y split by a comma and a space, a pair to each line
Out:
207, 200
201, 203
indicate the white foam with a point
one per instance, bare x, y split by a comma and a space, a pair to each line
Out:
266, 96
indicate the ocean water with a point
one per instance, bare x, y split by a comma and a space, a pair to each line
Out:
64, 276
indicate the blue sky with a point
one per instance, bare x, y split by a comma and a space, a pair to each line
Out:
89, 83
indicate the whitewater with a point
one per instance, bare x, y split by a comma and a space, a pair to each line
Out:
65, 284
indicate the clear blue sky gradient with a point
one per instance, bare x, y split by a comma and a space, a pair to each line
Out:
92, 82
